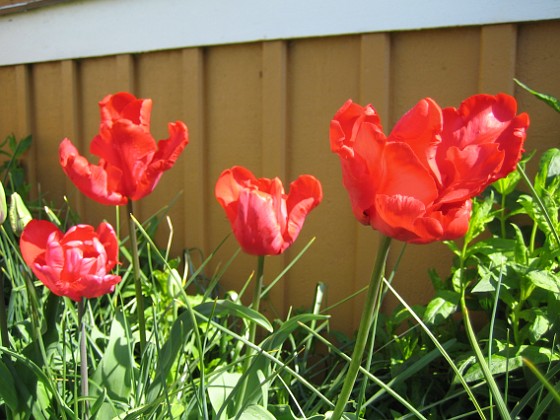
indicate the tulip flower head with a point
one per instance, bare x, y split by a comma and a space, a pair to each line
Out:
75, 264
416, 185
130, 162
265, 220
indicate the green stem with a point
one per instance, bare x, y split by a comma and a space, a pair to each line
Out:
137, 280
83, 359
369, 359
3, 315
503, 216
257, 294
4, 332
252, 328
497, 395
370, 309
533, 238
540, 203
515, 316
371, 346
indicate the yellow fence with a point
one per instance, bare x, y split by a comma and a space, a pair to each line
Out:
267, 106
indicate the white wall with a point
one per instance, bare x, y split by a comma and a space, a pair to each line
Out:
102, 27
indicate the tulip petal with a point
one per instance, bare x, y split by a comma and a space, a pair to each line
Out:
472, 169
33, 243
91, 180
169, 150
265, 221
483, 120
305, 194
229, 186
405, 175
345, 126
74, 264
109, 240
417, 184
124, 105
420, 129
256, 226
92, 286
456, 220
130, 163
167, 153
396, 215
361, 173
54, 254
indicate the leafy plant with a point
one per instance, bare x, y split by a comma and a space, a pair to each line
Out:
486, 344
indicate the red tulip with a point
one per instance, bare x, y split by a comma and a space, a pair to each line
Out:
416, 185
130, 163
75, 264
264, 219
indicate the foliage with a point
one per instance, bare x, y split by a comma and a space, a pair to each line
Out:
202, 361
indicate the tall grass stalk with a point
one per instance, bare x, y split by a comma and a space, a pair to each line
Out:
440, 348
496, 393
385, 387
491, 329
540, 203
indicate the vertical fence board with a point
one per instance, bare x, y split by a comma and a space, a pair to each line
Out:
233, 131
375, 82
98, 77
151, 69
498, 45
273, 144
538, 61
195, 173
47, 114
442, 64
24, 122
267, 106
322, 75
9, 107
70, 121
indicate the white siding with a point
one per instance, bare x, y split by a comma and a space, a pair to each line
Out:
104, 27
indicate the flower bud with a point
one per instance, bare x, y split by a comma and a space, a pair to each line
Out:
3, 205
19, 214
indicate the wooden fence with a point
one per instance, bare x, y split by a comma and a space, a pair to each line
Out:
267, 106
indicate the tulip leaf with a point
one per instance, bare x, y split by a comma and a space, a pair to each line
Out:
482, 214
257, 412
227, 307
442, 306
115, 371
219, 388
182, 328
548, 99
507, 184
510, 359
19, 148
549, 169
539, 326
545, 279
8, 388
521, 250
